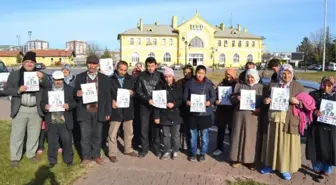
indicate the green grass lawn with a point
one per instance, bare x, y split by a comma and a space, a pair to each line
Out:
29, 173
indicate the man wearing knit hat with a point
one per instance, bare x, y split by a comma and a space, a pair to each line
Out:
92, 116
25, 110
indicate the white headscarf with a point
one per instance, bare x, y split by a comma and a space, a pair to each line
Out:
283, 68
255, 74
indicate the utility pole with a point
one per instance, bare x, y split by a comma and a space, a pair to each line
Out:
325, 33
29, 34
18, 40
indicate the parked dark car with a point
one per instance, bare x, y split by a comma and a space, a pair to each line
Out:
40, 66
308, 85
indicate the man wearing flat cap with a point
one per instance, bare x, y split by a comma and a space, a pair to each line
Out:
92, 116
26, 111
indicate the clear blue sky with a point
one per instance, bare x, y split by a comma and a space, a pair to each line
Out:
282, 22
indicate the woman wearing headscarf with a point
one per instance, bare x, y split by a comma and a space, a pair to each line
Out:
245, 123
281, 149
223, 117
321, 137
69, 78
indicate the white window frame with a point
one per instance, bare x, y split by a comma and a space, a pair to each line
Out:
135, 57
236, 58
167, 57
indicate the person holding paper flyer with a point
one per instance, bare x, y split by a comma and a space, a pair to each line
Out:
321, 137
26, 111
125, 115
146, 83
244, 144
59, 124
170, 118
92, 116
224, 113
281, 148
188, 73
200, 122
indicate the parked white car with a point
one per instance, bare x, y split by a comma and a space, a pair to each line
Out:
332, 66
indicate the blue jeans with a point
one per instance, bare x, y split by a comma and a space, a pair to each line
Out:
194, 141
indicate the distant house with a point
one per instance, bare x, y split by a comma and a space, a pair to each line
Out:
10, 57
55, 56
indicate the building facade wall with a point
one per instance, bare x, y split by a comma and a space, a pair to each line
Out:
207, 53
9, 61
49, 61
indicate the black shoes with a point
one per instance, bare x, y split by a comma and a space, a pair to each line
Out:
143, 154
193, 158
201, 158
14, 164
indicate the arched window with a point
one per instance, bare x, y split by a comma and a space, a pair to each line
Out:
154, 42
196, 42
135, 57
249, 58
239, 43
221, 59
151, 54
247, 43
166, 57
236, 58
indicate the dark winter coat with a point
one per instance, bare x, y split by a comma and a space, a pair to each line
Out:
122, 114
224, 113
321, 137
68, 114
171, 116
145, 85
206, 88
104, 97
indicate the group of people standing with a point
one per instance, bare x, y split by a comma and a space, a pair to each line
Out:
259, 136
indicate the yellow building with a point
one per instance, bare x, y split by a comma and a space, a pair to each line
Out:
194, 41
55, 57
9, 58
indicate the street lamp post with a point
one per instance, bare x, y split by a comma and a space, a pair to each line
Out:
325, 33
29, 34
213, 57
18, 40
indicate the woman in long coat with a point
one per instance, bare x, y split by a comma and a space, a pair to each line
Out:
224, 113
321, 137
281, 144
245, 123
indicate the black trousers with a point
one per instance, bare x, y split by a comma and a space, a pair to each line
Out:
220, 137
149, 129
42, 139
136, 124
76, 132
171, 138
91, 136
57, 132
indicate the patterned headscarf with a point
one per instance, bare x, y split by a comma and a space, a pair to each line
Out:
283, 68
255, 74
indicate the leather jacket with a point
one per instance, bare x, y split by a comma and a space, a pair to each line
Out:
146, 83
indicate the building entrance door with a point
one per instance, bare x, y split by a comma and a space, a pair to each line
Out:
196, 59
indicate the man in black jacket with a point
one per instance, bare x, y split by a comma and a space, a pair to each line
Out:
146, 83
60, 123
92, 116
121, 80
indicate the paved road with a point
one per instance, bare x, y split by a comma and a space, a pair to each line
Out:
214, 171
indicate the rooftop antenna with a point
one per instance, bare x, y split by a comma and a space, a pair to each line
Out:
231, 19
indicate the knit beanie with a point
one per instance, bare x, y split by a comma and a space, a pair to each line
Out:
30, 56
169, 71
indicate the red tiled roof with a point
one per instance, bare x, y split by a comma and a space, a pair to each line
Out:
53, 53
9, 53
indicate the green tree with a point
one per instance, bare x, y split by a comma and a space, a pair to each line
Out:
19, 59
106, 54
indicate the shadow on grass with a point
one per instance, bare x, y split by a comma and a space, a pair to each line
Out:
42, 176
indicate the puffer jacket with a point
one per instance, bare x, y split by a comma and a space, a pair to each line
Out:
146, 83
